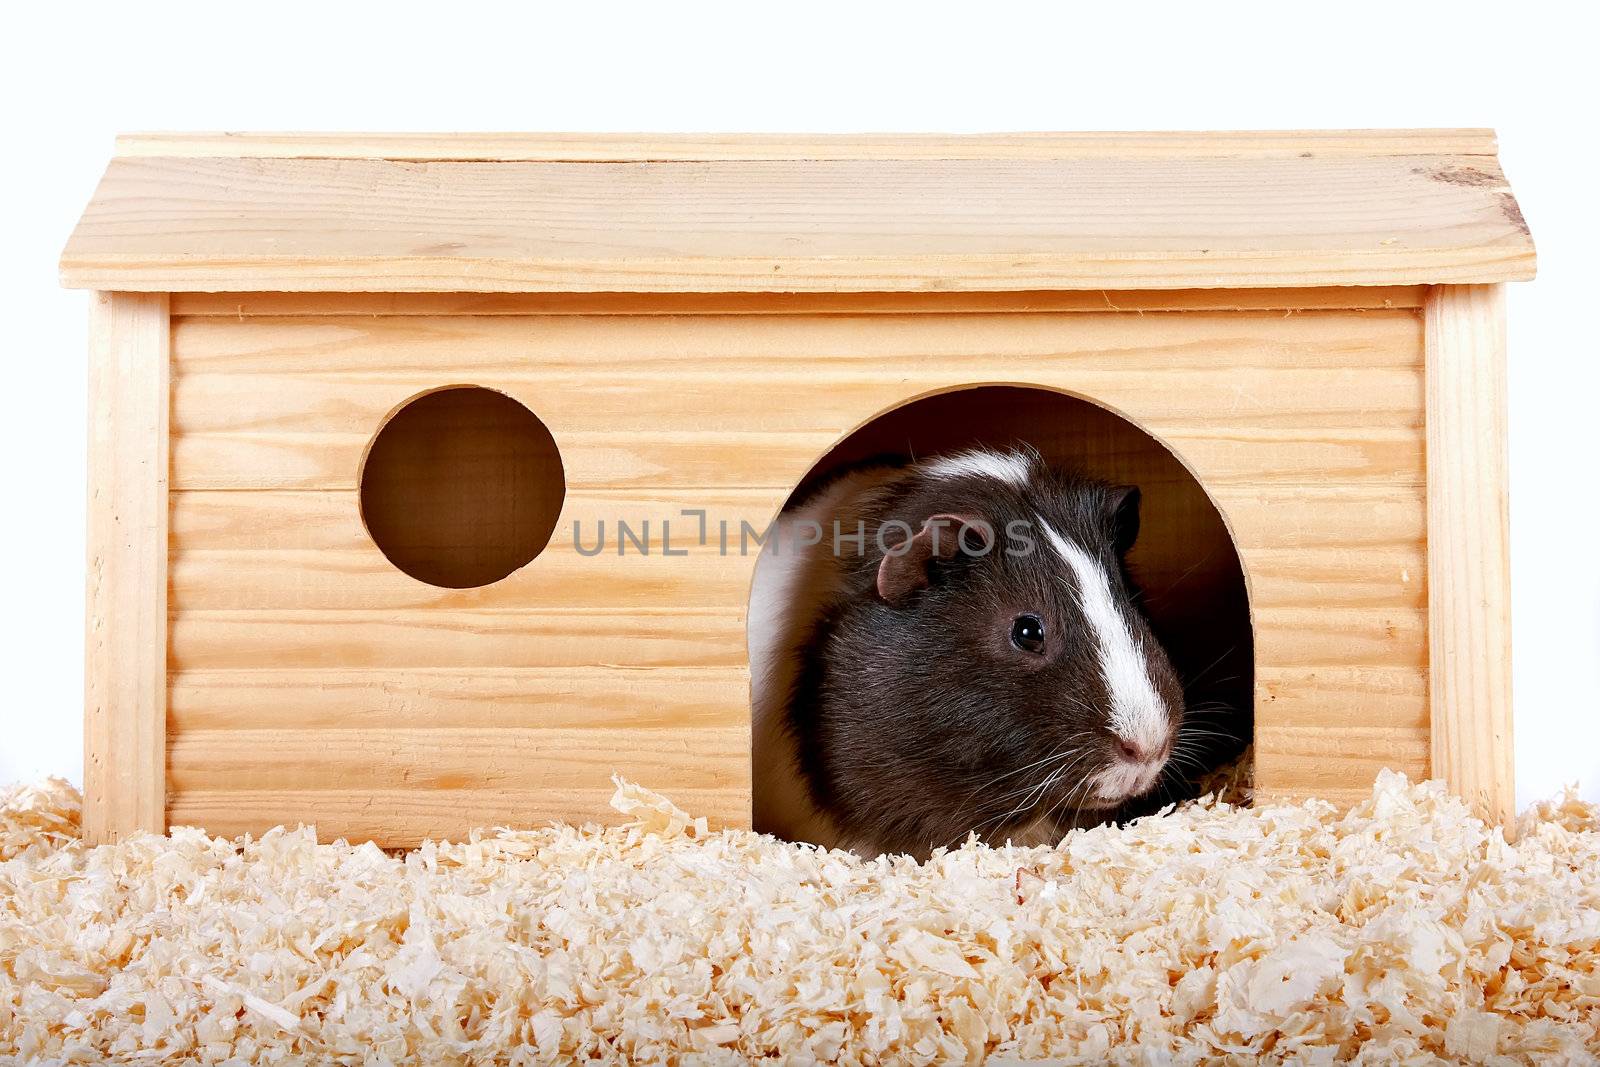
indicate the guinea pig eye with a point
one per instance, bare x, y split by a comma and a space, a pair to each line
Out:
1027, 633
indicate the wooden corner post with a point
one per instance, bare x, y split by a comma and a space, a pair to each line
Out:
1469, 582
125, 673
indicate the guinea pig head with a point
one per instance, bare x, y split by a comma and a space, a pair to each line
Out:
1004, 662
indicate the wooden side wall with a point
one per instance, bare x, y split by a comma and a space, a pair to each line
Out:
125, 638
1469, 552
312, 681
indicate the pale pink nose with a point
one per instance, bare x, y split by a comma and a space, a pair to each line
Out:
1132, 750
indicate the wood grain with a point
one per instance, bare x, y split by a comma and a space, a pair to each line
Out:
1469, 547
510, 746
171, 224
1305, 429
1298, 756
693, 147
834, 345
248, 549
1312, 635
1285, 401
729, 460
597, 698
436, 814
1385, 698
400, 639
507, 755
290, 403
243, 305
125, 673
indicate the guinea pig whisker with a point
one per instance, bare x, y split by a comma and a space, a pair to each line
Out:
1165, 783
1168, 590
1084, 785
1209, 707
1027, 787
1199, 741
1035, 795
1066, 799
1216, 681
1196, 727
1026, 792
1196, 734
1077, 797
1216, 716
1186, 759
968, 802
1019, 770
1214, 664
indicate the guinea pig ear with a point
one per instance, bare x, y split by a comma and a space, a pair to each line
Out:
904, 567
1123, 506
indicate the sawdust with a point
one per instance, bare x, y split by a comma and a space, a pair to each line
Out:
1403, 931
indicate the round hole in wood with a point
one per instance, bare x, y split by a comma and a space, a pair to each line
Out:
461, 486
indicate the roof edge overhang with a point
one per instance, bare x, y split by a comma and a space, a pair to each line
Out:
264, 212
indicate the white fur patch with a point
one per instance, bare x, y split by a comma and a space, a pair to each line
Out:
1008, 467
1138, 715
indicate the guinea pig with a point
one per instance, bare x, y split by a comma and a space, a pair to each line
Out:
954, 646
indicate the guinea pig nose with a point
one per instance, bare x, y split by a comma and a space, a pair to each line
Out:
1132, 750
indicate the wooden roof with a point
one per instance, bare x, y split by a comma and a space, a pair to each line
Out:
785, 213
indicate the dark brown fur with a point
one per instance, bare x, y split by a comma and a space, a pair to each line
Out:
918, 722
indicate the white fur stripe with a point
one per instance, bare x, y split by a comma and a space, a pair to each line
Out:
1009, 467
1137, 714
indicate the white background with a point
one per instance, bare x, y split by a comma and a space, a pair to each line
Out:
74, 75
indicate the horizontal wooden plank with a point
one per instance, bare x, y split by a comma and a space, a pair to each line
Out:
702, 579
427, 637
560, 576
309, 698
708, 147
271, 549
513, 758
708, 459
404, 818
1388, 703
1310, 635
1226, 456
1319, 516
1339, 576
1341, 797
1337, 696
172, 224
1301, 760
291, 403
964, 348
698, 698
1296, 398
291, 305
314, 520
1307, 635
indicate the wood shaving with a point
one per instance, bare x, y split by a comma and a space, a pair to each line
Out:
1403, 931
